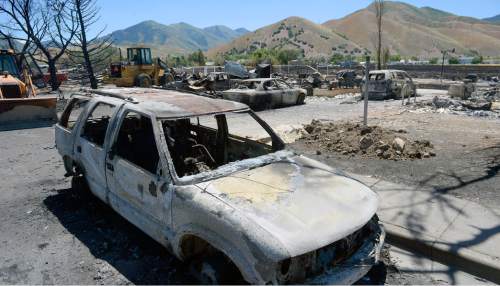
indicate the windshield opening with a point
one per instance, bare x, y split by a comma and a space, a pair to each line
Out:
204, 143
7, 64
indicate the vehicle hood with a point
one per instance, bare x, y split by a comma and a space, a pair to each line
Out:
302, 203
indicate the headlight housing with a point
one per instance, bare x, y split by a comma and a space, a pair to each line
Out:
297, 269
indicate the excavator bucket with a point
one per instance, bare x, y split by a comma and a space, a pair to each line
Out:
19, 103
27, 110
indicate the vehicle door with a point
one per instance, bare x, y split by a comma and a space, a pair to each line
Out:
274, 92
289, 95
136, 177
408, 80
64, 130
90, 146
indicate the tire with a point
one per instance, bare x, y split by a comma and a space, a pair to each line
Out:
143, 80
215, 270
405, 92
301, 99
79, 186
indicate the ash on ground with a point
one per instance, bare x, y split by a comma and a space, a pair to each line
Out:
482, 102
367, 141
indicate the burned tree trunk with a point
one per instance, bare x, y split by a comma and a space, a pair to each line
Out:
54, 82
91, 52
84, 47
49, 24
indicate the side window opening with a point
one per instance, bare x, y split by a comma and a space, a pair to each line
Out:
97, 123
136, 142
283, 85
204, 143
72, 112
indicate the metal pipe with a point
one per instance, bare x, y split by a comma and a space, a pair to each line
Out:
367, 78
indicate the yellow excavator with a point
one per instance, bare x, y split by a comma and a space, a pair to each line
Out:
18, 99
140, 70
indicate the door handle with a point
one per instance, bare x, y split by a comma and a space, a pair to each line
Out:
79, 149
110, 167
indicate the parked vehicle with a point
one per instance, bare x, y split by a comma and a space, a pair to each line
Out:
211, 181
387, 84
19, 102
348, 79
139, 70
265, 93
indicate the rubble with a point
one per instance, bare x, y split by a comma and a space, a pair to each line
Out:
482, 102
373, 141
461, 90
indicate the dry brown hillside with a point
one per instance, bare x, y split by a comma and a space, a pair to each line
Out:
410, 31
292, 33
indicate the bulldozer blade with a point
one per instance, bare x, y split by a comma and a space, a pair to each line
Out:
27, 110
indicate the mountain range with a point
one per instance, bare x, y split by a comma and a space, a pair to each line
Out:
494, 19
175, 38
407, 31
291, 33
412, 31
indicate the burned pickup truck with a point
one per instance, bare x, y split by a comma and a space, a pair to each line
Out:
390, 84
265, 93
211, 181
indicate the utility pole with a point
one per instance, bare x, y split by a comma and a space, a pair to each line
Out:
442, 66
367, 78
444, 52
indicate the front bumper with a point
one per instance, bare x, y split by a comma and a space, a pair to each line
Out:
355, 267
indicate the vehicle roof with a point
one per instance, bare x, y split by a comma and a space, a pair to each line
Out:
171, 104
259, 79
384, 71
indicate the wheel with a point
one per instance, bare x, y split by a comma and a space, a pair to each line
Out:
405, 92
301, 99
143, 80
79, 186
216, 270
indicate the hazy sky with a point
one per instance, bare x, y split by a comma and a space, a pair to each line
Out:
119, 14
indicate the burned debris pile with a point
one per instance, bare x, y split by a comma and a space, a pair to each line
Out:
367, 141
464, 100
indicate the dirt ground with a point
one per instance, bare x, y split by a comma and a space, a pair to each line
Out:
49, 235
466, 164
350, 138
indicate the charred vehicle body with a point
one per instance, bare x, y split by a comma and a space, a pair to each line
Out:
387, 84
211, 181
265, 93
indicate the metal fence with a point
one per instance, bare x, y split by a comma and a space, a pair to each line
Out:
420, 71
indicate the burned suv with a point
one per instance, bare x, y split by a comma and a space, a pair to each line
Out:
211, 181
387, 84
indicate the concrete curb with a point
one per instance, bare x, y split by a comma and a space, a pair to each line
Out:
472, 262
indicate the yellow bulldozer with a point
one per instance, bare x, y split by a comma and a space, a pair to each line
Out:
139, 70
19, 102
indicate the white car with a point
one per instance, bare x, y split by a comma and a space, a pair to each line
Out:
265, 93
211, 181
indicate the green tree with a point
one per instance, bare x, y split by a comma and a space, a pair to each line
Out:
337, 58
395, 58
453, 61
386, 56
285, 56
433, 61
477, 60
